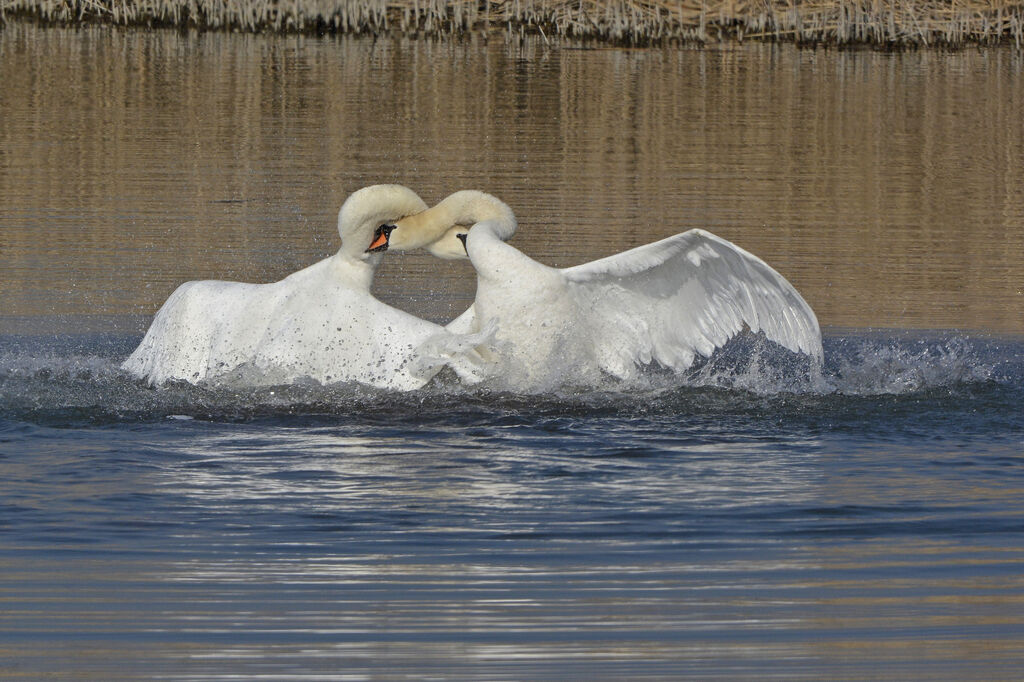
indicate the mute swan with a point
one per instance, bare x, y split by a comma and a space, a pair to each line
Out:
320, 322
662, 303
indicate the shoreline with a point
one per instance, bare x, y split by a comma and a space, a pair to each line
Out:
875, 23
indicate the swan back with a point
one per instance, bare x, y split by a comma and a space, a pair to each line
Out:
461, 209
370, 207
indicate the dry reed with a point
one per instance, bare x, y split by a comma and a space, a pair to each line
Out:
632, 22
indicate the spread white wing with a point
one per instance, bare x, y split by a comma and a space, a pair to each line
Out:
685, 296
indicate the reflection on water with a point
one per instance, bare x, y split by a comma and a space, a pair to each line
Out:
871, 529
515, 540
887, 187
745, 521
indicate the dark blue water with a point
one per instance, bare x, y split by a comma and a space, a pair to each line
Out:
751, 520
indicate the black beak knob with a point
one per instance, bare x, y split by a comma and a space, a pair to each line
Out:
380, 239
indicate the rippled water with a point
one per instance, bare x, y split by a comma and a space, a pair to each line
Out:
868, 525
886, 187
753, 518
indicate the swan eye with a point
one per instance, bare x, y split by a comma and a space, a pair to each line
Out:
462, 238
380, 238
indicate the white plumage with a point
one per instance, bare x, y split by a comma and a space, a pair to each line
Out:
663, 303
320, 323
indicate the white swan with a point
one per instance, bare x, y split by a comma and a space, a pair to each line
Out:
320, 322
663, 303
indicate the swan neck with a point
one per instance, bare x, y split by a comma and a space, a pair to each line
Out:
416, 231
472, 207
467, 208
355, 271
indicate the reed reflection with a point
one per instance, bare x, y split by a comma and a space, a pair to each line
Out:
886, 187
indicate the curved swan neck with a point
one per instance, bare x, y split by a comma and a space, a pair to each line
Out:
471, 206
356, 235
370, 207
467, 207
355, 271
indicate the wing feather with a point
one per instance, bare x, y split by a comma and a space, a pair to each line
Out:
686, 296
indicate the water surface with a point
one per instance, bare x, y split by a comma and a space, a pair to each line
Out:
886, 187
750, 519
713, 527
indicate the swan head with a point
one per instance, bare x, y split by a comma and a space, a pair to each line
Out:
366, 221
451, 245
438, 227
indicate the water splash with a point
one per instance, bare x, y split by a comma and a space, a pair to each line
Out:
883, 367
853, 366
64, 384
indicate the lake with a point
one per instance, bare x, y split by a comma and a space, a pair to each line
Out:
747, 520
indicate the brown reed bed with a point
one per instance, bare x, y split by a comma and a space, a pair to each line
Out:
889, 23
